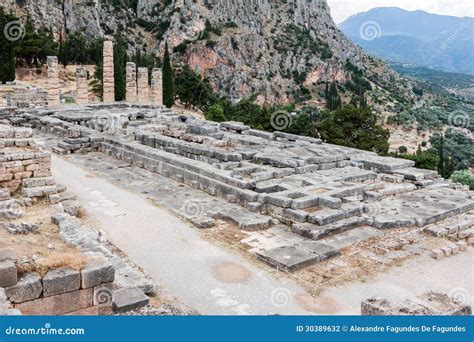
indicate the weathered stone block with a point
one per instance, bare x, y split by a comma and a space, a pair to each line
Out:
60, 281
59, 304
96, 273
29, 287
8, 273
128, 299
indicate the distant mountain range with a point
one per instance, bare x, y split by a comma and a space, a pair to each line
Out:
434, 41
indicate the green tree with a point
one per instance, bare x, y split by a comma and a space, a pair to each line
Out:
463, 177
333, 100
168, 83
120, 61
7, 56
192, 89
215, 113
355, 127
441, 169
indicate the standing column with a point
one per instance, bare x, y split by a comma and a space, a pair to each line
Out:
131, 82
53, 81
82, 90
143, 90
108, 77
157, 87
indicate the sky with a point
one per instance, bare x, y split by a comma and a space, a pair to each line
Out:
342, 9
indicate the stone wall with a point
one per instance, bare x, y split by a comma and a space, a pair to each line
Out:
21, 160
60, 291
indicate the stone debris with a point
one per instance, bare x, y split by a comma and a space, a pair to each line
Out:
430, 303
8, 273
21, 228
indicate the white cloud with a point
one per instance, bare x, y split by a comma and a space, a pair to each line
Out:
342, 9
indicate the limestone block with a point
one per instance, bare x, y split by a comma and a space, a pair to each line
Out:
127, 299
96, 273
462, 245
29, 287
8, 273
59, 304
437, 254
60, 281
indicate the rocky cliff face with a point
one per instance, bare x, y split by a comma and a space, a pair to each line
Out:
280, 49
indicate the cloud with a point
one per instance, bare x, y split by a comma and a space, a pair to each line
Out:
342, 9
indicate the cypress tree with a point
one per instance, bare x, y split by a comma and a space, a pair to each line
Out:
333, 99
441, 170
7, 55
120, 61
168, 84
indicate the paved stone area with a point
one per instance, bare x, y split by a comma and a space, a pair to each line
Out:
256, 180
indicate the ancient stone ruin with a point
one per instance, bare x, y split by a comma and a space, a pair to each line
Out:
108, 72
430, 303
317, 190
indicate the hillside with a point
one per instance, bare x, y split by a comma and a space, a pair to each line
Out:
417, 37
282, 51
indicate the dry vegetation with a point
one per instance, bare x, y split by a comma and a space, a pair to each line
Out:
44, 249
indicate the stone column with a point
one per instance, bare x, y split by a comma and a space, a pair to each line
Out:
108, 77
82, 88
143, 90
53, 81
131, 82
157, 87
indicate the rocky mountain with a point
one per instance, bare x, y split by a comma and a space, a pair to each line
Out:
435, 41
282, 50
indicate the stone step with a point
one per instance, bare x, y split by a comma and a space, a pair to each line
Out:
327, 215
37, 182
293, 257
315, 232
39, 191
